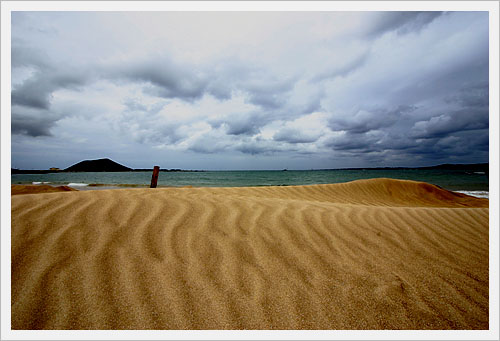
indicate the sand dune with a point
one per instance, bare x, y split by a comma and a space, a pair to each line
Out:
33, 189
370, 254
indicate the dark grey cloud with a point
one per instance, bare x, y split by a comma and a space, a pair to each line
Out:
353, 141
243, 127
164, 78
445, 124
47, 76
462, 131
344, 69
30, 122
206, 148
33, 127
469, 110
257, 147
253, 149
36, 92
225, 77
401, 22
382, 149
457, 82
363, 121
25, 56
472, 145
211, 143
268, 93
245, 124
292, 135
475, 95
31, 112
396, 140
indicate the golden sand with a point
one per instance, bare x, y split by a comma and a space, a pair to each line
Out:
33, 189
369, 254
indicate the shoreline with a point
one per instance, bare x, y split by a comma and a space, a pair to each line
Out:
85, 187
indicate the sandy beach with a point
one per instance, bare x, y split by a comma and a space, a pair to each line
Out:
368, 254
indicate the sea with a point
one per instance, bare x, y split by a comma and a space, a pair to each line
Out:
468, 182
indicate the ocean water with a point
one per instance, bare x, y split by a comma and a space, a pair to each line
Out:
473, 183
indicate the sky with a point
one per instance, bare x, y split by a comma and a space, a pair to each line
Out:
249, 90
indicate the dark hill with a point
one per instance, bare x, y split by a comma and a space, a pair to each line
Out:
100, 165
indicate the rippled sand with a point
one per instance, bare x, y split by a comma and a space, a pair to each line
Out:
369, 254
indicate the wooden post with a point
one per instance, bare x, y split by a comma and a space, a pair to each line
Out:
154, 179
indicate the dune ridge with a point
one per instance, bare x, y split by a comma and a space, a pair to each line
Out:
34, 189
369, 254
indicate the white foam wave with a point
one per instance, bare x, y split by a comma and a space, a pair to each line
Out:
76, 184
477, 194
40, 182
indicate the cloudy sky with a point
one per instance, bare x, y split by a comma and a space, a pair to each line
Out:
249, 90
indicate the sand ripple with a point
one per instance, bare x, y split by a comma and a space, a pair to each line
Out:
370, 254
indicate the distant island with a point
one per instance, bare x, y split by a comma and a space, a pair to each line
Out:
100, 165
107, 165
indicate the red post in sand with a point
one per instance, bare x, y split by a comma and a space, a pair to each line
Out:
154, 179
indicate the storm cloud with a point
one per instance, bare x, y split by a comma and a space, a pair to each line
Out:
32, 123
164, 79
255, 89
401, 22
294, 136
